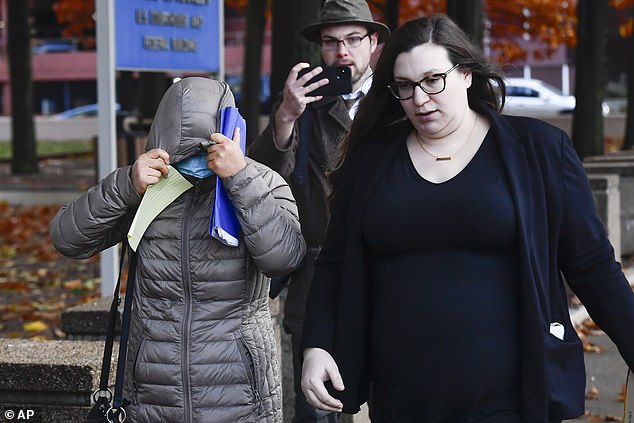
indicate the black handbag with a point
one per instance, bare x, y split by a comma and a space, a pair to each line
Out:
109, 407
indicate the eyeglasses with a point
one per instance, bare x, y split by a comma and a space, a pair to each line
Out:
350, 42
434, 84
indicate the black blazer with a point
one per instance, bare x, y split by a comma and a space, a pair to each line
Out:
559, 234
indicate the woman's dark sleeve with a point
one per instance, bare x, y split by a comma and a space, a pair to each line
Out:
323, 299
587, 259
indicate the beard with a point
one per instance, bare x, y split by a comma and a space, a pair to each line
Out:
360, 74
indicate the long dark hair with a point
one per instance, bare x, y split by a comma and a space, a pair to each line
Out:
380, 112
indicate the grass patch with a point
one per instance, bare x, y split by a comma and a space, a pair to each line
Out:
51, 148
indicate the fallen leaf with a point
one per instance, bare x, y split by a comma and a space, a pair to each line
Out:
592, 394
15, 286
591, 348
37, 326
74, 284
621, 396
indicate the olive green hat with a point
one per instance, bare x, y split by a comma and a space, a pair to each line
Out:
341, 12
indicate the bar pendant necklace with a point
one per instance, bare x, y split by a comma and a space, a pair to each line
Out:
447, 158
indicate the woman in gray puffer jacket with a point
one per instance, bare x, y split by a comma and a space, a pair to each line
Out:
201, 345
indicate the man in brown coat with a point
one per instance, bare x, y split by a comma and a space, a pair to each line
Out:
302, 141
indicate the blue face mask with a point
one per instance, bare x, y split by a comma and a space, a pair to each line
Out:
195, 166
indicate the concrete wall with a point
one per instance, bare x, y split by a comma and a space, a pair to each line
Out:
613, 125
46, 128
82, 129
607, 199
623, 168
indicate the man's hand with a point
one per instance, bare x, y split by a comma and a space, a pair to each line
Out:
295, 100
319, 366
148, 169
225, 157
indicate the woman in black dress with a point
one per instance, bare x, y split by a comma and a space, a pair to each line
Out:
440, 279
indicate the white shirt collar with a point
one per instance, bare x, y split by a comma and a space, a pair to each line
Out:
363, 90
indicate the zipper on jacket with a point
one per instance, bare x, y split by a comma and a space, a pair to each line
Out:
187, 299
251, 375
135, 372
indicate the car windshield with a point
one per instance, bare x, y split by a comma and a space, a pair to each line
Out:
551, 88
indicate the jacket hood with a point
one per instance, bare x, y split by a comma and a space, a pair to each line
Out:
187, 115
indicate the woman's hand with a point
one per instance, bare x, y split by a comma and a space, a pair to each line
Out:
319, 366
225, 156
148, 169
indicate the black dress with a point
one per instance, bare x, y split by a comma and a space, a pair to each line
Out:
445, 290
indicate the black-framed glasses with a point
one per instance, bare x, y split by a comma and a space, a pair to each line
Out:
434, 84
350, 42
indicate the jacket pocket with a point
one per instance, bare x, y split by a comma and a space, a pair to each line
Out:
565, 372
135, 372
251, 371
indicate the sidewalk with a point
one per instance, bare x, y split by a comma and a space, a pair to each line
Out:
59, 181
606, 373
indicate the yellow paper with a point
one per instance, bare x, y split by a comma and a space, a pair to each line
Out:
156, 198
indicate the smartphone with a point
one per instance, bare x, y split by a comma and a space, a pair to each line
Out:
339, 80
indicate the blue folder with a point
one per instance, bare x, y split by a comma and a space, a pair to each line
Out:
224, 225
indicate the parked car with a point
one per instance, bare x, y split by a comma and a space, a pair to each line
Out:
235, 83
81, 111
526, 96
54, 46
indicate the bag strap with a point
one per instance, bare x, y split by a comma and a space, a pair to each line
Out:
103, 390
103, 396
125, 331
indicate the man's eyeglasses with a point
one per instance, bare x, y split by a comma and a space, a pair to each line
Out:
350, 42
434, 84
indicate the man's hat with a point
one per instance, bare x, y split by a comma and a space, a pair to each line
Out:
340, 12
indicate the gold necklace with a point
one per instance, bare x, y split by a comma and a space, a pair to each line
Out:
446, 158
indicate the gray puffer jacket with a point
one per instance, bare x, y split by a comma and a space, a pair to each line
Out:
201, 343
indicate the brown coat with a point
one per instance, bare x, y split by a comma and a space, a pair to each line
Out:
329, 123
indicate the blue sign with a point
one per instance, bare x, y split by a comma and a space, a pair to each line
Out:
168, 35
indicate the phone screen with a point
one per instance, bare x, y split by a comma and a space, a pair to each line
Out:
339, 80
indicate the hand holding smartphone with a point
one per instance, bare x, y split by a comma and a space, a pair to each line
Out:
339, 80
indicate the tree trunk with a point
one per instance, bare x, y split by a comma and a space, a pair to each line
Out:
469, 16
126, 88
587, 124
288, 45
24, 157
628, 142
152, 86
391, 14
250, 100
